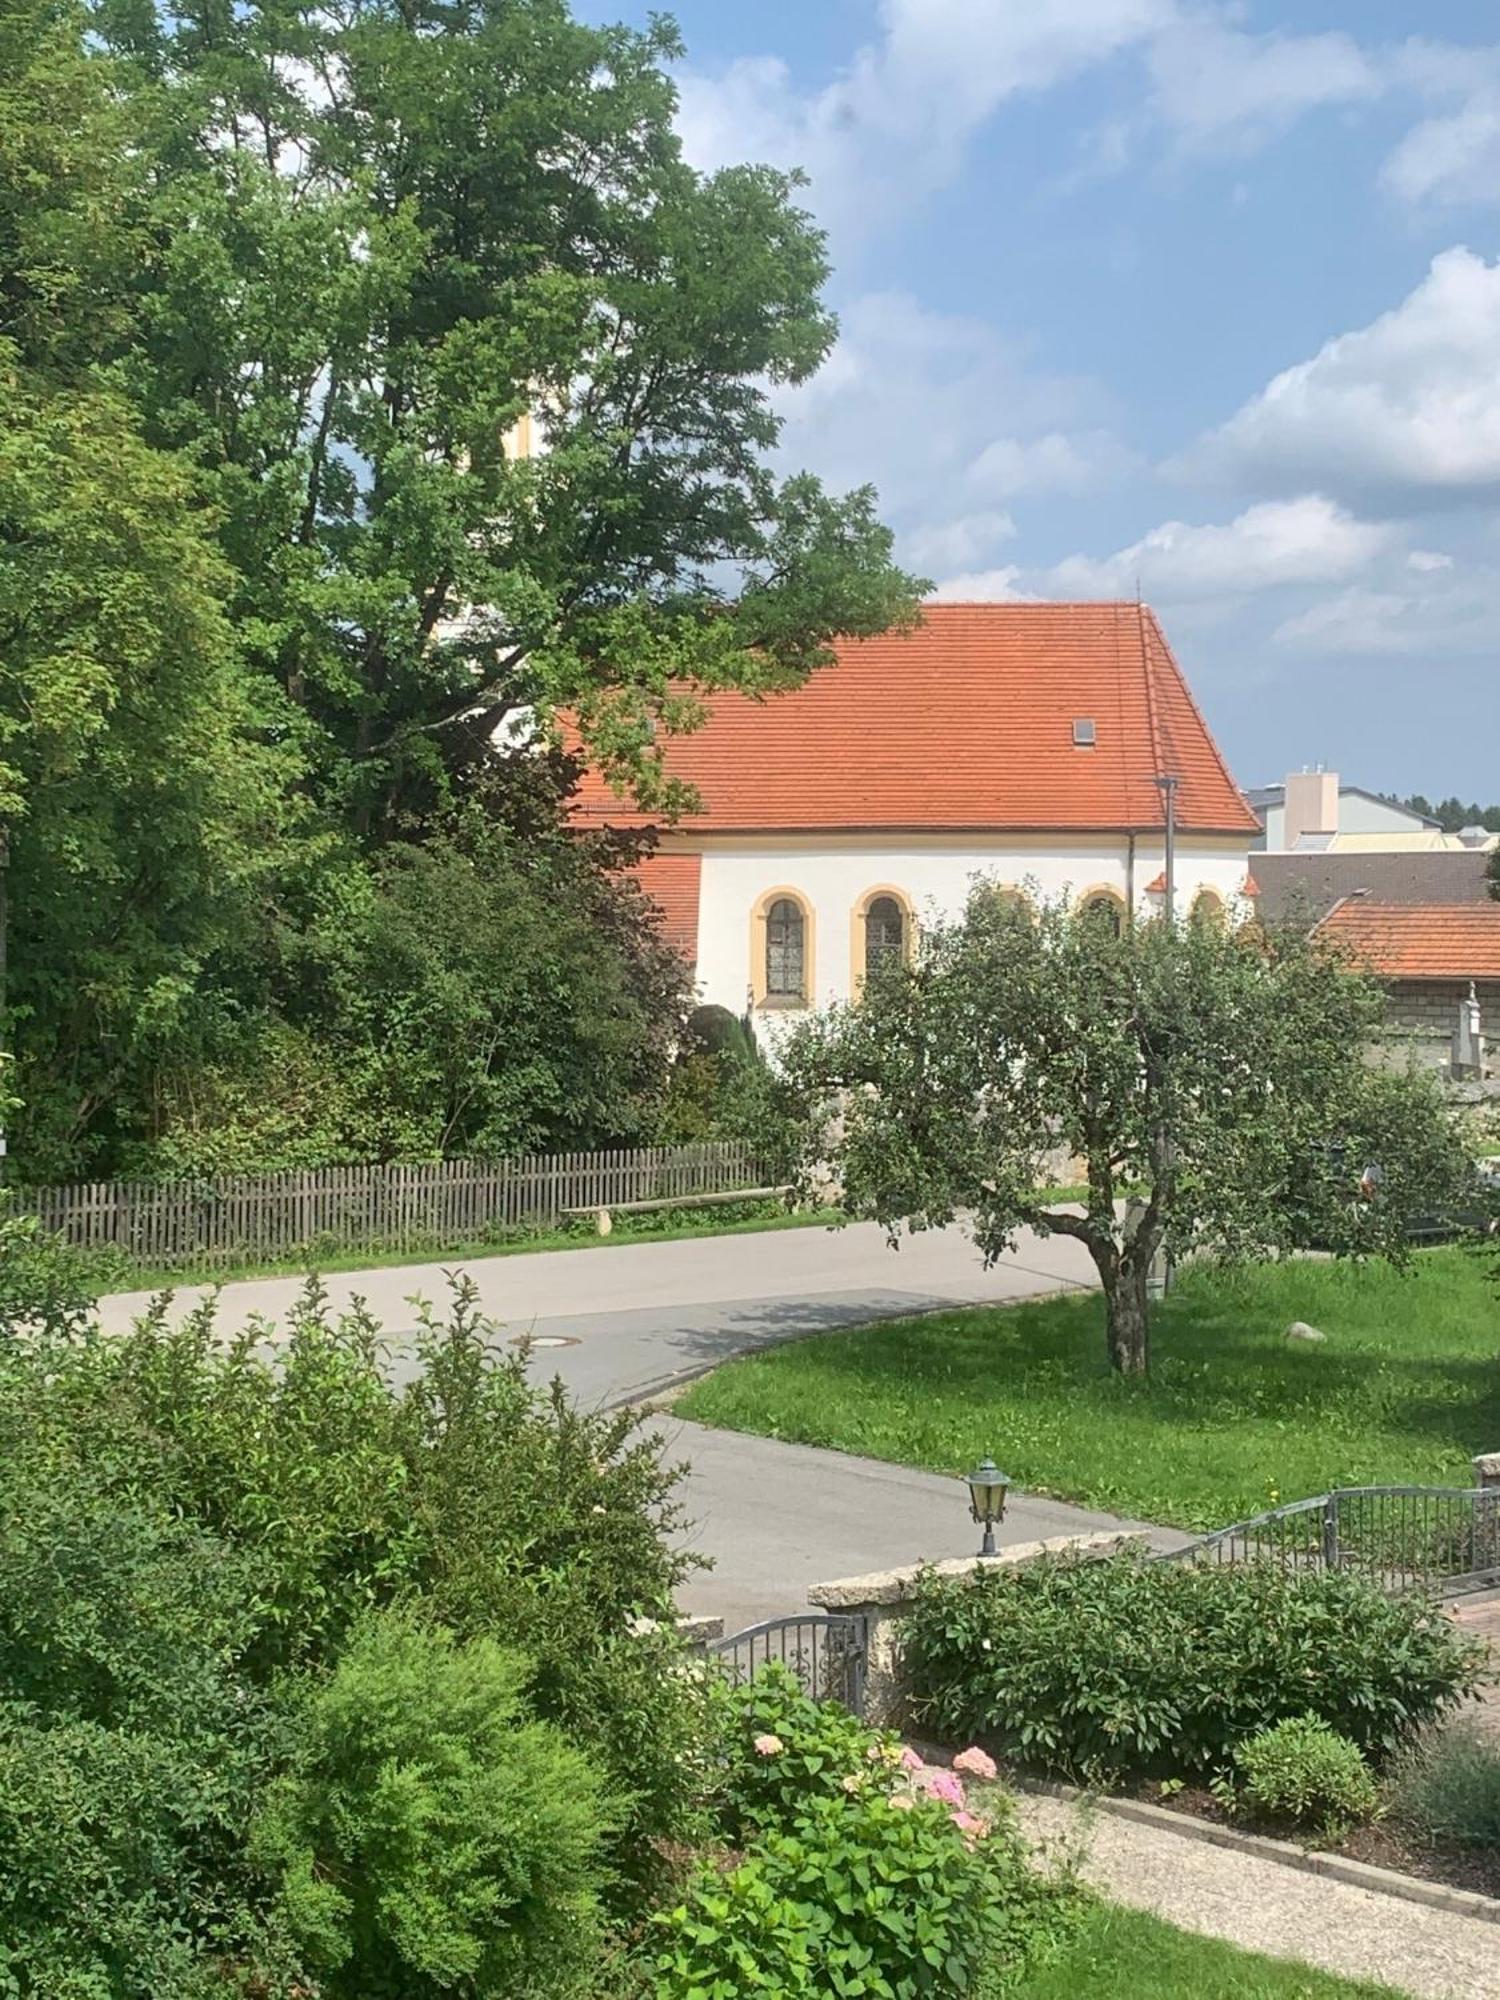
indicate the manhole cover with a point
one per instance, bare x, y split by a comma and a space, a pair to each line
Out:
544, 1340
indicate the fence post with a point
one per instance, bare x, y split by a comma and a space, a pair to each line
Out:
1331, 1532
1487, 1471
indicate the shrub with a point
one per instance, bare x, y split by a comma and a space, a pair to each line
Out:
780, 1750
859, 1896
1131, 1666
433, 1835
1303, 1771
1446, 1787
132, 1753
505, 1510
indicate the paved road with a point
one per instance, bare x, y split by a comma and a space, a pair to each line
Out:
623, 1322
619, 1322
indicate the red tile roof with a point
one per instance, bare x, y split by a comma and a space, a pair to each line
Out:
1419, 940
965, 723
671, 881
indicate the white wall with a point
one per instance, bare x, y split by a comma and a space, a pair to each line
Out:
935, 878
1357, 814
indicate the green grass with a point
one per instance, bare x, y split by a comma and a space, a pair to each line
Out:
1127, 1954
118, 1273
1232, 1419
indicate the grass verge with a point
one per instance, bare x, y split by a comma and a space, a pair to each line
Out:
1232, 1419
118, 1274
1126, 1952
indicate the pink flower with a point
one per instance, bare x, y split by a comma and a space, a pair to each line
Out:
909, 1760
769, 1746
974, 1763
973, 1826
945, 1786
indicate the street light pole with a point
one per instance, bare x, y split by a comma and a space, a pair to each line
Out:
1167, 786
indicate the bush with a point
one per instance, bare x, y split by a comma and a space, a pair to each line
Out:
132, 1753
1304, 1772
504, 1510
861, 1895
433, 1835
780, 1751
1446, 1787
1129, 1666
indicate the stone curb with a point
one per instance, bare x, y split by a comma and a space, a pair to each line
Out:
1338, 1867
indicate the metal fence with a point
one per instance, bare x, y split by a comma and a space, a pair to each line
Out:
824, 1652
1437, 1538
236, 1217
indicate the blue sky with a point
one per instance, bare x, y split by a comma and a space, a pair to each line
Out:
1200, 297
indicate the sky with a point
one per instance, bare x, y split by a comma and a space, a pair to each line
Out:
1197, 300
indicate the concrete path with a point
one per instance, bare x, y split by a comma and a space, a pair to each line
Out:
620, 1322
1263, 1906
778, 1518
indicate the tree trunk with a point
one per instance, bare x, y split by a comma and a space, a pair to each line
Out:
1126, 1318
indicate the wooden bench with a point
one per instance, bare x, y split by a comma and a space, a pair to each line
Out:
604, 1216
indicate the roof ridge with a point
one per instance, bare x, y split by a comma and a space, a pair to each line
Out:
1186, 688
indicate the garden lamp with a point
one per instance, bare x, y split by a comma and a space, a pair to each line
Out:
987, 1490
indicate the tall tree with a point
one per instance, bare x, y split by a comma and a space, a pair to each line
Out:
1218, 1075
136, 797
388, 232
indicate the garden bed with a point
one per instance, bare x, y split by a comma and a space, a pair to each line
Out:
1378, 1845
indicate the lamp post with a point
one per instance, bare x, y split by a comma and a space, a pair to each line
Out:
988, 1487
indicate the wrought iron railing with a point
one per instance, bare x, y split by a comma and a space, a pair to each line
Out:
1438, 1538
824, 1652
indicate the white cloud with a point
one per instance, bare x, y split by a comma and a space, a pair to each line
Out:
903, 402
1447, 614
951, 544
1217, 86
1056, 462
1270, 546
1428, 560
986, 586
1407, 408
1453, 155
893, 125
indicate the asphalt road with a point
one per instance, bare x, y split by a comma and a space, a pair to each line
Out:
620, 1323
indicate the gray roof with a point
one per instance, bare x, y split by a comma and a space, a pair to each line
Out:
1303, 887
1260, 799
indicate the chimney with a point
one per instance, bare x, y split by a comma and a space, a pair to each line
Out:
1312, 805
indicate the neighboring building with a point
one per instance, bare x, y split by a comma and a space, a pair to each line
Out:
1313, 806
1020, 742
1433, 959
1303, 887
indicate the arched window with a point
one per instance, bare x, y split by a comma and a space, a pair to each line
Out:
885, 933
1107, 911
786, 951
1208, 910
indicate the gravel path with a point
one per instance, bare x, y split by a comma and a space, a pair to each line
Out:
1265, 1907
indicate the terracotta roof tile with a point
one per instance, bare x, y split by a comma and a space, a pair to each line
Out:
672, 882
1419, 940
965, 723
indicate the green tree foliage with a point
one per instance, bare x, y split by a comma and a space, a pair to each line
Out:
431, 1835
1220, 1073
386, 233
282, 609
1452, 815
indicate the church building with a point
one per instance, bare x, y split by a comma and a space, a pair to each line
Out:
1023, 743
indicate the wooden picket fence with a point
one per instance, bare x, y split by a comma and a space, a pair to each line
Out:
245, 1217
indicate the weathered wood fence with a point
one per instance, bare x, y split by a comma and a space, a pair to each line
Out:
249, 1216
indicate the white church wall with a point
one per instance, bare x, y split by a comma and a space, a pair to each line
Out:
933, 878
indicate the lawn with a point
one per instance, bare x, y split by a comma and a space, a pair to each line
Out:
1233, 1418
1124, 1952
